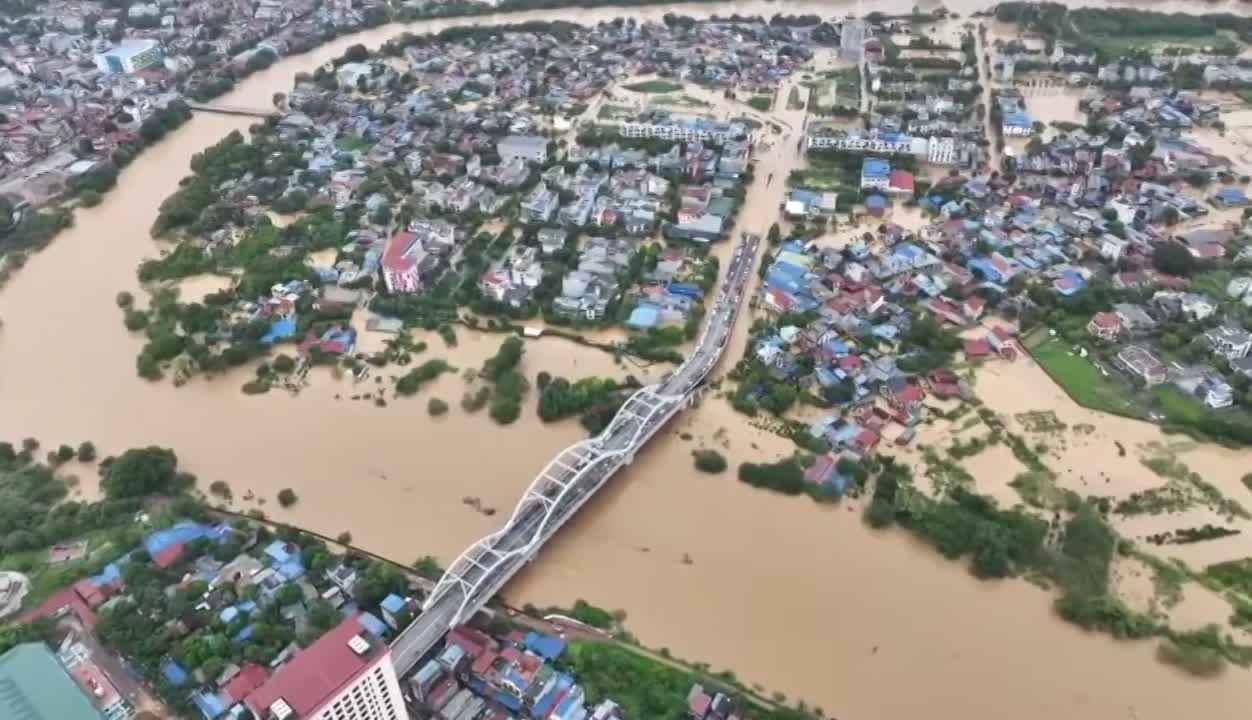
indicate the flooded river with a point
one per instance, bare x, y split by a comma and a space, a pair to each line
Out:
799, 598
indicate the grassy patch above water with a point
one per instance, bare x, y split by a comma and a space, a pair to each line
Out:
761, 102
1081, 379
654, 86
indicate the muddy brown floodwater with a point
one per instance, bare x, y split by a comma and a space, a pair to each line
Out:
788, 594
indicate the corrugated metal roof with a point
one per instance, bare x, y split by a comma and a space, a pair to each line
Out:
34, 686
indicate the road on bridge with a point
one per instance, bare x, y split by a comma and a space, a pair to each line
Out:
572, 478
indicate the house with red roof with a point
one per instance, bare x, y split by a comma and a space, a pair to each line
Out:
945, 310
399, 263
246, 681
778, 301
1105, 325
904, 394
977, 348
943, 384
900, 182
168, 556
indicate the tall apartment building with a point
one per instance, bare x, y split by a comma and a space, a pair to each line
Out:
345, 675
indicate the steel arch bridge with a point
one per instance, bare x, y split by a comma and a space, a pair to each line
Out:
554, 495
571, 479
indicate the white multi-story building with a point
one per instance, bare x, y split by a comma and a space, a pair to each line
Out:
345, 675
685, 131
130, 55
937, 149
941, 151
860, 143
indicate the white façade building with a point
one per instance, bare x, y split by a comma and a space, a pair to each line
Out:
130, 55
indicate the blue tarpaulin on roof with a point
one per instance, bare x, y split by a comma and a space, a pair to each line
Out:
108, 574
209, 705
685, 289
370, 622
179, 533
545, 645
174, 673
280, 329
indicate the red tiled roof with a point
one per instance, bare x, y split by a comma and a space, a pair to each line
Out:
168, 556
89, 593
483, 663
779, 299
901, 180
867, 439
318, 673
977, 348
470, 640
1106, 320
910, 394
396, 256
57, 601
250, 678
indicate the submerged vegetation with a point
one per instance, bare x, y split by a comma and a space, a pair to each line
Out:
1072, 552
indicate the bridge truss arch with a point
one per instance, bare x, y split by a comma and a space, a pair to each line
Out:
546, 503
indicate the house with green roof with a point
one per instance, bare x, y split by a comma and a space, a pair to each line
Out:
35, 686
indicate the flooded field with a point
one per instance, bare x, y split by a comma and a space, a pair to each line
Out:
797, 597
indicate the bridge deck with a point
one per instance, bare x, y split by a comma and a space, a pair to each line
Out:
570, 480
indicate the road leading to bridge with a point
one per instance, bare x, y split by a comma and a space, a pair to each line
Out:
572, 478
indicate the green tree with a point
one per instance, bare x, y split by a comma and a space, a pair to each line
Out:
288, 594
1173, 259
709, 461
142, 471
287, 497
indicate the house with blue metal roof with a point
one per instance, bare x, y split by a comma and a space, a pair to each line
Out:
875, 173
546, 646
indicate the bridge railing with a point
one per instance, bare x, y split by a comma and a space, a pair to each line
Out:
557, 492
547, 496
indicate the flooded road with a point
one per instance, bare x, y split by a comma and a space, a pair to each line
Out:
786, 593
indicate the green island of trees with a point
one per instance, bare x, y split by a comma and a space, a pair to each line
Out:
709, 461
595, 400
413, 380
509, 386
654, 86
787, 477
